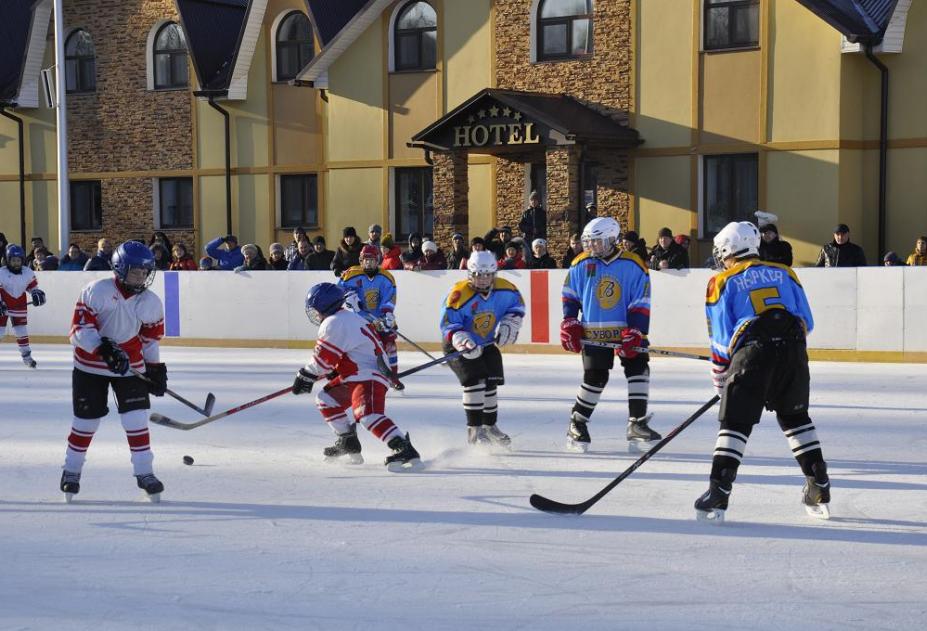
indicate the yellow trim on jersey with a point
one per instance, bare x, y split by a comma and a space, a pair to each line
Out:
580, 258
460, 294
631, 256
718, 281
628, 256
357, 270
504, 285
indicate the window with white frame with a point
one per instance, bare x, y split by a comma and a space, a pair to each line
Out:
415, 38
564, 29
293, 45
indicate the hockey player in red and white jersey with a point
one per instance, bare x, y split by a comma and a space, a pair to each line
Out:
18, 287
115, 332
350, 354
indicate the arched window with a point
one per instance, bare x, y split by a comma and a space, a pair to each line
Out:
564, 29
80, 62
170, 58
294, 45
416, 37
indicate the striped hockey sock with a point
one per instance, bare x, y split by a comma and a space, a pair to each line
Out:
638, 395
490, 406
135, 423
805, 446
586, 400
729, 451
22, 339
474, 401
381, 427
82, 431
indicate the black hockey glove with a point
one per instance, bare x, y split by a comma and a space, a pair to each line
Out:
157, 378
303, 382
2, 309
38, 297
115, 358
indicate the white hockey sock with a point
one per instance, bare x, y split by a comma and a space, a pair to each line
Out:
490, 401
135, 423
22, 339
82, 431
639, 388
586, 400
474, 397
730, 444
802, 439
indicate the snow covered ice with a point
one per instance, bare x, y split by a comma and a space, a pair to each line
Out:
261, 534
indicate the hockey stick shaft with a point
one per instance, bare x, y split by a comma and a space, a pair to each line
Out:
160, 419
651, 351
550, 506
439, 360
206, 410
372, 319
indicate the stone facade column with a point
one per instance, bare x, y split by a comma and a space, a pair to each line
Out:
451, 196
510, 191
563, 181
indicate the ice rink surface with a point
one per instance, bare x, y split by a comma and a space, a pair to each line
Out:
261, 534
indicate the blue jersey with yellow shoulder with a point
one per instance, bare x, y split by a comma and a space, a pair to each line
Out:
738, 295
376, 294
612, 293
476, 313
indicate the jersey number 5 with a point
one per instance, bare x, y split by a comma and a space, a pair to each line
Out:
761, 299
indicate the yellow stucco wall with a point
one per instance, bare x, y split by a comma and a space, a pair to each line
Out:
664, 74
730, 98
908, 79
212, 209
663, 190
481, 199
414, 99
355, 198
467, 44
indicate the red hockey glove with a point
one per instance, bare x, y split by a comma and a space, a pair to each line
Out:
631, 339
571, 335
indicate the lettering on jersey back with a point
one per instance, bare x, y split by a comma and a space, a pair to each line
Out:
758, 276
608, 292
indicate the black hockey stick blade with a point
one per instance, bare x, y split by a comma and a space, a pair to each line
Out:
550, 506
210, 403
205, 410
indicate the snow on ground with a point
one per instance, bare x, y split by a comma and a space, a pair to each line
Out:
260, 534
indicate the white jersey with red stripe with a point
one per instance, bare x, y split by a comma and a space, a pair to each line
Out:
134, 321
15, 288
349, 345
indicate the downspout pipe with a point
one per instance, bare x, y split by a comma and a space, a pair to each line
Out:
22, 169
883, 146
228, 156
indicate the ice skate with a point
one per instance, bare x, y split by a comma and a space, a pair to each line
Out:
405, 458
639, 434
476, 435
70, 485
712, 505
816, 493
578, 439
28, 361
497, 437
346, 449
151, 485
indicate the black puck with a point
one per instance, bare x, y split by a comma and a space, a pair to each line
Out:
188, 459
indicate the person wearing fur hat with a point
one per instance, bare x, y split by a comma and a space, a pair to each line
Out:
277, 260
254, 259
667, 254
772, 248
348, 253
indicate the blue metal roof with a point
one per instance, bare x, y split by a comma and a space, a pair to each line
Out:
214, 29
330, 16
862, 21
15, 26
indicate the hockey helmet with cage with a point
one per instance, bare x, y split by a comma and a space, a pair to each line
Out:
134, 266
600, 236
481, 270
738, 239
14, 251
322, 301
369, 253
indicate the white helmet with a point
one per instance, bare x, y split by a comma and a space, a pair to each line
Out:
600, 236
737, 239
481, 270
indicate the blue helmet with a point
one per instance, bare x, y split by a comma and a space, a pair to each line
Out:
15, 251
133, 255
322, 301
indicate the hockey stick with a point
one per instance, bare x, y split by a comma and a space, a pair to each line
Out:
160, 419
206, 410
550, 506
439, 360
652, 351
373, 320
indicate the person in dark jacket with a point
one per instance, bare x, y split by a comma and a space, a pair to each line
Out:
631, 242
299, 233
101, 261
459, 251
892, 260
410, 257
229, 258
3, 244
573, 250
74, 260
159, 238
432, 258
348, 253
667, 254
254, 259
840, 252
540, 258
44, 261
320, 257
300, 262
496, 239
162, 257
774, 249
533, 222
277, 260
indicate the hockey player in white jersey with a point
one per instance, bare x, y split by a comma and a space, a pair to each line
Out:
350, 354
18, 287
116, 329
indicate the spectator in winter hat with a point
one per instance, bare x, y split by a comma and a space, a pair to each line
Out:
432, 257
667, 254
573, 250
206, 264
373, 234
277, 260
540, 258
459, 251
891, 260
841, 252
772, 248
254, 259
513, 258
413, 253
348, 253
631, 242
390, 253
320, 257
919, 256
477, 244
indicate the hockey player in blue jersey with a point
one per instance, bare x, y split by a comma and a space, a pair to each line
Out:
480, 315
612, 290
371, 292
758, 318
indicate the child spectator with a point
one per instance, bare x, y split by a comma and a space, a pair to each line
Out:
391, 253
206, 264
181, 261
44, 261
459, 251
432, 258
540, 258
512, 259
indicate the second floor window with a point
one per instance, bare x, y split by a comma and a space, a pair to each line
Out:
299, 201
414, 202
416, 37
80, 62
564, 29
175, 202
731, 24
170, 58
294, 45
86, 205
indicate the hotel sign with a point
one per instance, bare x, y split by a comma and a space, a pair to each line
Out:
495, 127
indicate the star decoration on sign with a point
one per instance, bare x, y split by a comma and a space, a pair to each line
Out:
494, 111
481, 113
517, 116
471, 118
507, 111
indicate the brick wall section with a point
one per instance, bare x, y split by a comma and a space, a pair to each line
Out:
451, 196
123, 126
510, 190
602, 81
